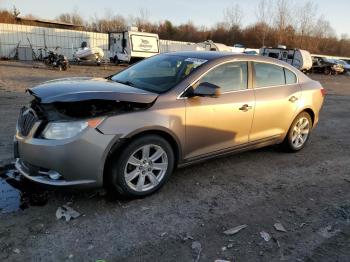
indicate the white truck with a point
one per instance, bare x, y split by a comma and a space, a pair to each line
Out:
298, 58
132, 45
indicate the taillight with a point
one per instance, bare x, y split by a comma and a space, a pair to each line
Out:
323, 91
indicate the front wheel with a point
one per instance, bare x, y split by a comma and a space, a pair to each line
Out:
298, 133
142, 167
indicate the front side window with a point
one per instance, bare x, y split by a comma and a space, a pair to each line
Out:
268, 75
229, 77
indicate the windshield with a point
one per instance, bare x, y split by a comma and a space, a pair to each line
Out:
158, 74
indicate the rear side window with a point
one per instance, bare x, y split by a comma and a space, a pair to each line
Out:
229, 77
268, 75
291, 78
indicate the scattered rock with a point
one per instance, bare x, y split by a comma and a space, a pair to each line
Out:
302, 224
230, 245
145, 209
197, 249
266, 236
221, 260
328, 232
67, 212
223, 249
70, 256
187, 237
347, 180
279, 227
163, 234
235, 230
16, 251
90, 247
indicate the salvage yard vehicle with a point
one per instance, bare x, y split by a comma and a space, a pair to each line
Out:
131, 46
298, 58
345, 65
56, 60
129, 131
326, 66
209, 45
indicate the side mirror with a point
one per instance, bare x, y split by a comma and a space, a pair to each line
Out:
205, 89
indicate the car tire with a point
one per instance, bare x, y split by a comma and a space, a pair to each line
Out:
135, 173
298, 133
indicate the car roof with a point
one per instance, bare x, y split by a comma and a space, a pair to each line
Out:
208, 55
218, 55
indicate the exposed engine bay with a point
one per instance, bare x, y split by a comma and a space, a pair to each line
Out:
83, 109
79, 98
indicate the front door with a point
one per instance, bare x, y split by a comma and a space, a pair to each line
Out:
215, 124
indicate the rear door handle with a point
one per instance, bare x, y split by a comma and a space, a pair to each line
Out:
245, 108
293, 99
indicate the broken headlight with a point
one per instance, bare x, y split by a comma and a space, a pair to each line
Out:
63, 130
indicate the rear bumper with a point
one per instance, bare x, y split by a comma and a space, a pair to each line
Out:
78, 161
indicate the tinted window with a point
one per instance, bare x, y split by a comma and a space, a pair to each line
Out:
159, 73
291, 78
230, 77
268, 75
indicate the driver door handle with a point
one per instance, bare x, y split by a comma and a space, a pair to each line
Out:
245, 108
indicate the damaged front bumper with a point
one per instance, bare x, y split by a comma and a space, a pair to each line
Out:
78, 161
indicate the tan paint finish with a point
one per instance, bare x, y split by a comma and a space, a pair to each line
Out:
274, 113
204, 126
214, 124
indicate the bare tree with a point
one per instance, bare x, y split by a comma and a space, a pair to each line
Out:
71, 18
322, 32
15, 12
233, 16
282, 19
142, 20
305, 19
264, 17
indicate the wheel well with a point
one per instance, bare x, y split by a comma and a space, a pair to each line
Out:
311, 113
122, 144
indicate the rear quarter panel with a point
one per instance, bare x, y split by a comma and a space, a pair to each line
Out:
311, 98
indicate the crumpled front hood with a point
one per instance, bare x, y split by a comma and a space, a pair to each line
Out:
87, 88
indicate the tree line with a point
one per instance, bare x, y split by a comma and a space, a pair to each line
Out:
277, 22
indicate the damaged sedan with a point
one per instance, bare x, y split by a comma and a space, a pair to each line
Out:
128, 131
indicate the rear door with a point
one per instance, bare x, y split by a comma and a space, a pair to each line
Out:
215, 124
276, 100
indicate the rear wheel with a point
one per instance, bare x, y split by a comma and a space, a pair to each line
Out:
142, 167
298, 133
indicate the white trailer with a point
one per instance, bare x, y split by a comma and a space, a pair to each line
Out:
298, 58
132, 45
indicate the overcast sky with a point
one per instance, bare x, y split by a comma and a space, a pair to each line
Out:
200, 12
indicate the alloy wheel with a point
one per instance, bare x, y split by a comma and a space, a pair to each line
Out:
300, 132
146, 167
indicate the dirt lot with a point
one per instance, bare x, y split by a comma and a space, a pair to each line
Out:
308, 192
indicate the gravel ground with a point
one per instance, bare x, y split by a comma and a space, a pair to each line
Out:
307, 192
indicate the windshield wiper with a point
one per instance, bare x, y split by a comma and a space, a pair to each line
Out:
128, 83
